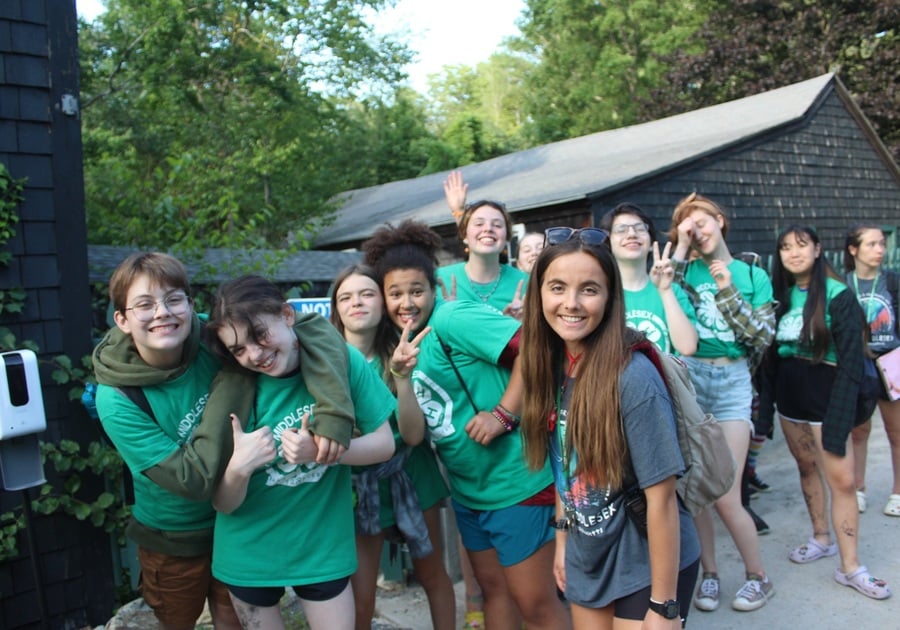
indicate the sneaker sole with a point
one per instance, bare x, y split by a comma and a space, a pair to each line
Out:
701, 605
749, 607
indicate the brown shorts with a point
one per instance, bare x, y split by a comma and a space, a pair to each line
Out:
176, 589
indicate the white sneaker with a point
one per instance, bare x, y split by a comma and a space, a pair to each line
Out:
754, 594
707, 597
861, 501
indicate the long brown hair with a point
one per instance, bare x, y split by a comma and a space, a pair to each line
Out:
595, 429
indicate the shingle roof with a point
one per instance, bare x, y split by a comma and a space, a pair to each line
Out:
309, 266
579, 167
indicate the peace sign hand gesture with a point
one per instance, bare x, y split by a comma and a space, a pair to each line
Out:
406, 353
514, 308
662, 273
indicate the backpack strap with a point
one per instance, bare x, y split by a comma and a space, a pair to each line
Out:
449, 352
135, 394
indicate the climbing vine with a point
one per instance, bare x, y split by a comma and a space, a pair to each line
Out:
69, 460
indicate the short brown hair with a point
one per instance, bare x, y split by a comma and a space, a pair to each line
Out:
162, 269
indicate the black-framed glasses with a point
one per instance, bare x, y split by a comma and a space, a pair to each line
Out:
175, 303
588, 235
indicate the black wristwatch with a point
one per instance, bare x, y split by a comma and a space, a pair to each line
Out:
668, 609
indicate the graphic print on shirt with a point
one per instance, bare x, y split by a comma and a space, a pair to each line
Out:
436, 404
589, 508
711, 323
191, 419
879, 316
790, 326
652, 325
279, 472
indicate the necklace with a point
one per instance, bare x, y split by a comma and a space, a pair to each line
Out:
561, 390
493, 286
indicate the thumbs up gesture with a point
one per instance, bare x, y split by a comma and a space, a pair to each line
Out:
298, 445
251, 450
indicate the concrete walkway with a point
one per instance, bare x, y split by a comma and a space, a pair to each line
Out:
806, 596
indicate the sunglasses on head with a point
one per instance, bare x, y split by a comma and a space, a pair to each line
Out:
588, 236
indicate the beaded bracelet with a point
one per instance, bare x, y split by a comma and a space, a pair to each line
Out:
505, 417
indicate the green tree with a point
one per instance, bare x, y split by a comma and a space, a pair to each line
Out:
210, 122
595, 61
757, 45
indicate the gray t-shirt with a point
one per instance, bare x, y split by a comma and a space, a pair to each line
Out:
607, 558
878, 306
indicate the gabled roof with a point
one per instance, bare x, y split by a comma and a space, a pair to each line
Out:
219, 265
578, 168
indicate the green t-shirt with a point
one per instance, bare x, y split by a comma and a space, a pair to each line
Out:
644, 311
481, 477
787, 335
296, 525
144, 443
497, 294
716, 338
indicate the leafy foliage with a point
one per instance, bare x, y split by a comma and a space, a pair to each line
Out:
757, 45
208, 124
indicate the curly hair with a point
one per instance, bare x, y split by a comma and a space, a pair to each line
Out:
410, 245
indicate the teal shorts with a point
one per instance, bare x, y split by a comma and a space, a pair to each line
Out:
516, 532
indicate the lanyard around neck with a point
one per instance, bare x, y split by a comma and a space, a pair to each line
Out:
871, 301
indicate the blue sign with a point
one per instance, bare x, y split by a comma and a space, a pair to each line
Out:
322, 306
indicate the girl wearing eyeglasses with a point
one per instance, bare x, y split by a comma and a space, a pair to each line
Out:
484, 227
735, 323
404, 494
654, 304
462, 372
577, 350
877, 290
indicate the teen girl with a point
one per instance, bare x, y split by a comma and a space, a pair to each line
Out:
459, 371
404, 493
484, 227
282, 518
654, 304
876, 289
816, 365
735, 324
577, 350
529, 249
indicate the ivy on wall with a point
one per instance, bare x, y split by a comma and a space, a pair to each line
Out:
70, 462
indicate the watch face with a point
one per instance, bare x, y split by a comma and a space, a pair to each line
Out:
668, 609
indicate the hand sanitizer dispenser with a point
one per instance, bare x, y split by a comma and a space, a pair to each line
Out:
21, 401
21, 419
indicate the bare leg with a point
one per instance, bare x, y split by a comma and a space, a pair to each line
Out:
890, 414
432, 575
500, 610
706, 531
806, 448
264, 618
593, 618
534, 590
221, 609
365, 580
736, 519
474, 596
332, 614
860, 437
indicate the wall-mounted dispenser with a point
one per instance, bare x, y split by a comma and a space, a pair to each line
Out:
21, 419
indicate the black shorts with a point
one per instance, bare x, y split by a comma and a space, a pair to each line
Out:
267, 596
802, 389
636, 605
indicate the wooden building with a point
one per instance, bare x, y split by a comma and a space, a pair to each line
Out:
804, 153
68, 581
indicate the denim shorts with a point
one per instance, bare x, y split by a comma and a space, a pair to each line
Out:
516, 532
725, 391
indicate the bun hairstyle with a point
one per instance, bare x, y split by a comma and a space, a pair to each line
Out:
410, 245
695, 201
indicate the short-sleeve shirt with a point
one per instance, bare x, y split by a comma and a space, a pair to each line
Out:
296, 524
481, 477
878, 306
144, 442
716, 338
606, 556
497, 295
787, 334
644, 311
